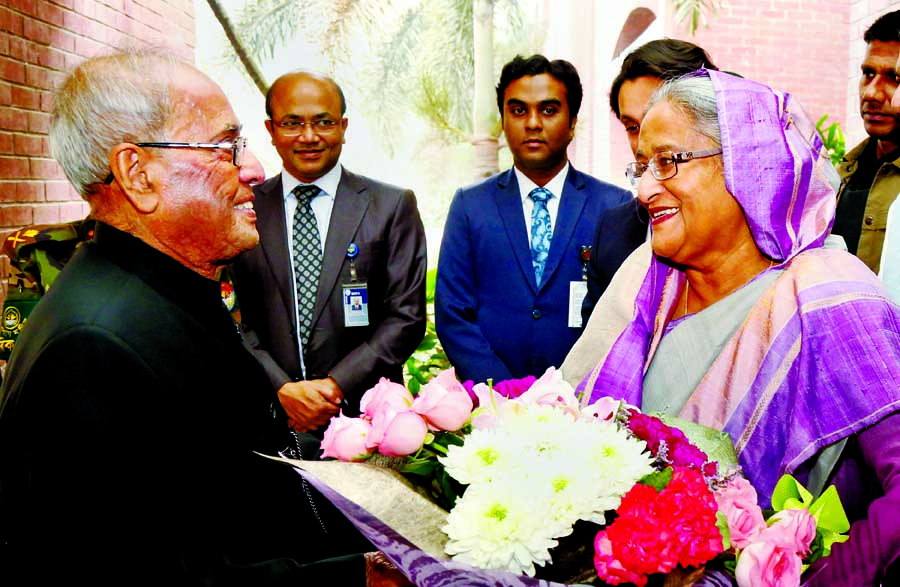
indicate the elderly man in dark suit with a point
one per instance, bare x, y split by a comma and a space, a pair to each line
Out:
511, 270
131, 408
328, 237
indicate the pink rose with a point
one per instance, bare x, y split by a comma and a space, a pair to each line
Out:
345, 439
444, 403
387, 393
490, 406
737, 501
397, 434
764, 564
793, 529
551, 390
604, 409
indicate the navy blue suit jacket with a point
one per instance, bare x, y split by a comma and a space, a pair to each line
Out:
491, 317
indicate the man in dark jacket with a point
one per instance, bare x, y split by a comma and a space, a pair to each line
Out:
131, 409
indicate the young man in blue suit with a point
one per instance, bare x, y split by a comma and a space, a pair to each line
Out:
511, 270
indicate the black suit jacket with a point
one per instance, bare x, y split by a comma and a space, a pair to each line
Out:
619, 233
383, 221
128, 418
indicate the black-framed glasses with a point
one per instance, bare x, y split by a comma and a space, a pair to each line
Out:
664, 165
237, 147
293, 127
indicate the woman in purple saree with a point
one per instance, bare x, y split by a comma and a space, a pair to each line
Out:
746, 323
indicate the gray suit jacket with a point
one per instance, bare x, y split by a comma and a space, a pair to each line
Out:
383, 221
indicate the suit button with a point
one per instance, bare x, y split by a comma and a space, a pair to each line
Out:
869, 220
536, 314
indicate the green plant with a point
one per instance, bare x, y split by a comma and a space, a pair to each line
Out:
833, 139
429, 359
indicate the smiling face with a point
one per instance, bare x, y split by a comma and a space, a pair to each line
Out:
205, 215
537, 125
876, 89
634, 94
696, 222
303, 97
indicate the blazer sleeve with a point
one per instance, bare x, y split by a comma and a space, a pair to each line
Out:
456, 303
403, 327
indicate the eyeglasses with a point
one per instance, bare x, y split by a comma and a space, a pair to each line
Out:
238, 146
290, 128
664, 165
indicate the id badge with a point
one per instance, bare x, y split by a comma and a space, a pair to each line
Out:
356, 304
577, 292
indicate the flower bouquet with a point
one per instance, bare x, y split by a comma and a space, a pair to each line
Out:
526, 476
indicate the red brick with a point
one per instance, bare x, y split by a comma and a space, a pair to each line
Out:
38, 122
47, 214
26, 6
43, 78
6, 143
14, 167
17, 49
5, 94
46, 169
50, 13
87, 47
76, 23
63, 40
13, 119
16, 216
70, 4
59, 191
36, 31
4, 43
12, 71
50, 57
12, 23
25, 98
46, 101
86, 7
30, 191
75, 210
31, 145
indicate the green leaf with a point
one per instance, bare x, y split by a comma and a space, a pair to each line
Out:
789, 494
658, 480
722, 525
829, 512
420, 467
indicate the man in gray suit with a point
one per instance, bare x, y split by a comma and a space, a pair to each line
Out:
333, 298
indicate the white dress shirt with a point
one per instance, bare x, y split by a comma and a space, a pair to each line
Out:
554, 186
321, 205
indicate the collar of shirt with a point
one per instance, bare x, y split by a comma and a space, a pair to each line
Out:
328, 183
554, 186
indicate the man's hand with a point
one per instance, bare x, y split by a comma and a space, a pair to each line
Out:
381, 572
310, 404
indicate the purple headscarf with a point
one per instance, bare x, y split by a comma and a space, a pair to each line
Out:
787, 365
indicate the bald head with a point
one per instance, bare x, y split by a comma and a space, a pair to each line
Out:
296, 76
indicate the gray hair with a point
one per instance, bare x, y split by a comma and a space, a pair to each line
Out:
123, 97
694, 96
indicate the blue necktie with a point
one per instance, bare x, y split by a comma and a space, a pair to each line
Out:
307, 258
541, 231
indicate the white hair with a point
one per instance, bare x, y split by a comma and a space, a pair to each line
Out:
123, 97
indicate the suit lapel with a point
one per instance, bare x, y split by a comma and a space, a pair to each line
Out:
350, 204
509, 203
571, 204
273, 239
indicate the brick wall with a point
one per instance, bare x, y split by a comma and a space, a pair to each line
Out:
40, 40
800, 46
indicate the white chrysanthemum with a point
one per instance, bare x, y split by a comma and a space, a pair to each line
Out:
500, 526
622, 459
485, 454
531, 476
